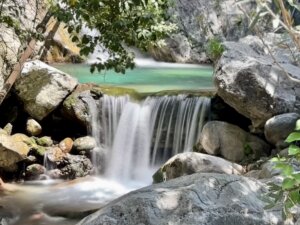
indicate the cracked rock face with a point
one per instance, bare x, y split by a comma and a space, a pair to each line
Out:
248, 80
202, 199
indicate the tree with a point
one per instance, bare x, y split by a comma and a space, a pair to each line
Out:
114, 24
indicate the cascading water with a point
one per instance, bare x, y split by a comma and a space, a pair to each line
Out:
137, 136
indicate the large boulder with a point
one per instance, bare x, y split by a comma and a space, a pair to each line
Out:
232, 142
251, 82
202, 199
43, 88
12, 150
199, 21
193, 162
278, 128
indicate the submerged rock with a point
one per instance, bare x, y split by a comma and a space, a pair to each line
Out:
278, 128
232, 142
251, 82
202, 199
42, 88
192, 162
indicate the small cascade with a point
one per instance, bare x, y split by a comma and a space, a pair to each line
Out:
138, 136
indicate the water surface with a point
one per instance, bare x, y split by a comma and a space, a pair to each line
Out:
147, 77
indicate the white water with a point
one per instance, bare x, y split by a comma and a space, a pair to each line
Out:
137, 137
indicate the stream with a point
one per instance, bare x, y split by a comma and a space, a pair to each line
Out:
133, 136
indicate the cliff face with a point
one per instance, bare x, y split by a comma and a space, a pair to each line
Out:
198, 22
27, 14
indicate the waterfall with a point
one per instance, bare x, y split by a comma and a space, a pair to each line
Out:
138, 136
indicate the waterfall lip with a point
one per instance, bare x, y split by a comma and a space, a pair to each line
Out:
151, 63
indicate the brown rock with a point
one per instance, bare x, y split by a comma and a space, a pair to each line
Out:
66, 145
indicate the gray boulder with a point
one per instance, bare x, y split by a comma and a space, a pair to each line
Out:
193, 162
43, 88
252, 83
278, 128
232, 142
202, 199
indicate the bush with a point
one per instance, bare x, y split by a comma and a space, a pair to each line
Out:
214, 49
288, 192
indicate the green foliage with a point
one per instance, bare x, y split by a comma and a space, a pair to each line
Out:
113, 25
289, 191
214, 49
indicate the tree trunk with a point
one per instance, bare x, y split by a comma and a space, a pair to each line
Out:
17, 69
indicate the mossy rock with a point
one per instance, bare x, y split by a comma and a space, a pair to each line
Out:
39, 151
45, 141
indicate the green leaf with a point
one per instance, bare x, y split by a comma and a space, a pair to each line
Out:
288, 183
295, 136
297, 125
294, 150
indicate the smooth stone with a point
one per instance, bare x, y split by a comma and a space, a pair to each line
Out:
232, 142
55, 154
33, 128
34, 171
191, 162
66, 145
87, 143
278, 128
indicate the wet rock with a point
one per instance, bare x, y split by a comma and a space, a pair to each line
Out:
42, 88
75, 166
33, 128
278, 128
250, 81
34, 171
75, 106
84, 144
191, 162
39, 151
203, 199
230, 141
44, 141
12, 151
55, 174
55, 154
66, 145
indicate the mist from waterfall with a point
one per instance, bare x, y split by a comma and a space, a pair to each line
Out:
137, 137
